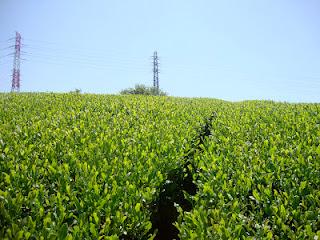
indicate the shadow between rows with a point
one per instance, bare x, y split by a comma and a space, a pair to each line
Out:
180, 180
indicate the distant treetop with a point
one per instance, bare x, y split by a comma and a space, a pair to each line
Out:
141, 89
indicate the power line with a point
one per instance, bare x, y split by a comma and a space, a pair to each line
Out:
109, 56
53, 54
64, 52
64, 63
75, 50
76, 59
67, 62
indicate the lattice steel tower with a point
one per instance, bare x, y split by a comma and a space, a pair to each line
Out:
15, 87
156, 71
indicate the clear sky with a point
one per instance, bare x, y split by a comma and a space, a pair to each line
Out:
232, 50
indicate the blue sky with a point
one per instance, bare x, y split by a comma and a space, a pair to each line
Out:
232, 50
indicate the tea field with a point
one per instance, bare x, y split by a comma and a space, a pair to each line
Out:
84, 166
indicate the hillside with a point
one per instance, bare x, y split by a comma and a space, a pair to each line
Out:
84, 166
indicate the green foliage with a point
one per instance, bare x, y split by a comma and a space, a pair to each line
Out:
76, 91
87, 166
81, 166
141, 89
258, 174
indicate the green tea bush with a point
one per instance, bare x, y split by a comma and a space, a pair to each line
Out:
88, 166
258, 174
